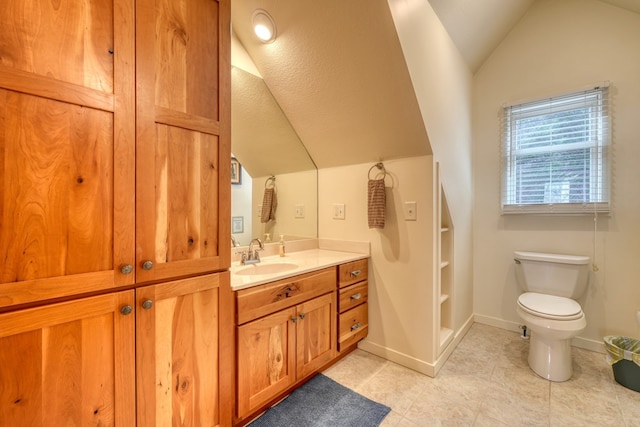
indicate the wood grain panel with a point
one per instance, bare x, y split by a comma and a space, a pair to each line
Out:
316, 334
352, 296
57, 197
70, 41
186, 56
68, 363
178, 216
353, 326
177, 352
266, 359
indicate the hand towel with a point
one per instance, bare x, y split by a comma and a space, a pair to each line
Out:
269, 205
376, 203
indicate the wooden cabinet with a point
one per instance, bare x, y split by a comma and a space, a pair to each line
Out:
182, 138
66, 148
179, 357
289, 335
353, 317
69, 363
114, 167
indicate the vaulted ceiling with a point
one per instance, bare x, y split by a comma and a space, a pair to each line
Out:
339, 74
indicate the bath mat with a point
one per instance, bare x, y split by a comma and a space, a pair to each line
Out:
322, 402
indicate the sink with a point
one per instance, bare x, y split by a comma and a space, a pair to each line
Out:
274, 268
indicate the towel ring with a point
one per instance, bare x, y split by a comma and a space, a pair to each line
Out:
381, 168
271, 179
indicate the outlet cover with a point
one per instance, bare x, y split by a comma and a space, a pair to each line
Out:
299, 211
410, 211
338, 211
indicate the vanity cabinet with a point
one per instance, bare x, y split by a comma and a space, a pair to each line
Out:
353, 309
286, 331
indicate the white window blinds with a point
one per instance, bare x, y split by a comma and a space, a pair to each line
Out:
555, 154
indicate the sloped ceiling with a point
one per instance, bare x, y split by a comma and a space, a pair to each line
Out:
338, 72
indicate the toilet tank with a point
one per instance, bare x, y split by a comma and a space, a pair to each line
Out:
552, 274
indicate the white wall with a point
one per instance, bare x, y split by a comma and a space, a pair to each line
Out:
400, 282
561, 46
443, 87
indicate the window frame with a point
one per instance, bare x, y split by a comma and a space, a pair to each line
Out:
596, 99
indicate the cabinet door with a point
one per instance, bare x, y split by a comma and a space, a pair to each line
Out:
266, 359
66, 147
316, 334
69, 364
183, 142
184, 342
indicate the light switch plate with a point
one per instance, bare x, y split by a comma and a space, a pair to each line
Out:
338, 211
410, 211
299, 211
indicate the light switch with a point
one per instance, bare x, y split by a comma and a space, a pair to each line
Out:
299, 211
410, 211
338, 211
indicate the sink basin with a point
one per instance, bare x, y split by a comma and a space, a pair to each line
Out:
274, 268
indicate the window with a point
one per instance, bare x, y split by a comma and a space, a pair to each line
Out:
555, 155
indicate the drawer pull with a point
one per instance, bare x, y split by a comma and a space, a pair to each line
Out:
355, 273
356, 326
356, 296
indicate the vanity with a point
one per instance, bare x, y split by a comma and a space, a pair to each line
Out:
294, 316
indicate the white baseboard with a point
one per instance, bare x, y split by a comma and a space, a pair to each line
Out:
579, 342
398, 357
453, 344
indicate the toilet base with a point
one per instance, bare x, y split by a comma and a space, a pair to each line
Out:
551, 359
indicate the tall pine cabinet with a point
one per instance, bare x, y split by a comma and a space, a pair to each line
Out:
115, 303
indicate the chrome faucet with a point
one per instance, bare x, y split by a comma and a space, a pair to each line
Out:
252, 256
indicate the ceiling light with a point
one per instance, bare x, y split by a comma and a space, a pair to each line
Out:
263, 26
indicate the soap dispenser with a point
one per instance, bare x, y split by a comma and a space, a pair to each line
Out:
282, 245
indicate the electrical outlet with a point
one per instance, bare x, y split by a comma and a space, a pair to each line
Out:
260, 211
338, 211
410, 211
299, 211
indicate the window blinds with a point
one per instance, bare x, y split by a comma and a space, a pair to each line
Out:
555, 156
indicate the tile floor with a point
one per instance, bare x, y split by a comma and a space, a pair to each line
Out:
487, 382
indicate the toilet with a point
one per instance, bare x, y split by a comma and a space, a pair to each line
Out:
548, 308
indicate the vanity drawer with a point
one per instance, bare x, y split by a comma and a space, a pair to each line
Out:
258, 301
352, 296
352, 272
354, 325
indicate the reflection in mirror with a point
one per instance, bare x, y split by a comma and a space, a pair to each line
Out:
265, 145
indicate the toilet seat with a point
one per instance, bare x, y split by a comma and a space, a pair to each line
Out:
550, 306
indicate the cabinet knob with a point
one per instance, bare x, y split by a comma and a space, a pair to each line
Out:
147, 304
126, 310
126, 269
356, 326
356, 296
294, 319
302, 315
147, 265
355, 273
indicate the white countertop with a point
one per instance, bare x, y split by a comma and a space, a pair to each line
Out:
305, 261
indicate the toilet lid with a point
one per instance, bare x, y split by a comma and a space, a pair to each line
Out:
550, 306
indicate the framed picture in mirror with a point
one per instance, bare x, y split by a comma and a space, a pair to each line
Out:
236, 171
237, 224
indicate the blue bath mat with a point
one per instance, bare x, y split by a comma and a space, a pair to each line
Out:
322, 402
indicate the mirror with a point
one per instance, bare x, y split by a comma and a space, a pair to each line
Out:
268, 153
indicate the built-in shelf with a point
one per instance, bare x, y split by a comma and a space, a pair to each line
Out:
444, 258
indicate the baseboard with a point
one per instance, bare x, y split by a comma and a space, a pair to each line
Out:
398, 357
579, 342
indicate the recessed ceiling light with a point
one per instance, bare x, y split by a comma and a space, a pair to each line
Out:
263, 26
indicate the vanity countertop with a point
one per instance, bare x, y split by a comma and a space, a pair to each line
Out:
302, 262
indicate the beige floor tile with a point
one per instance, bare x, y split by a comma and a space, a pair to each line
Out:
440, 412
356, 369
391, 420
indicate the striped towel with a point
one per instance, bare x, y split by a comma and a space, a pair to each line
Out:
376, 203
269, 205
